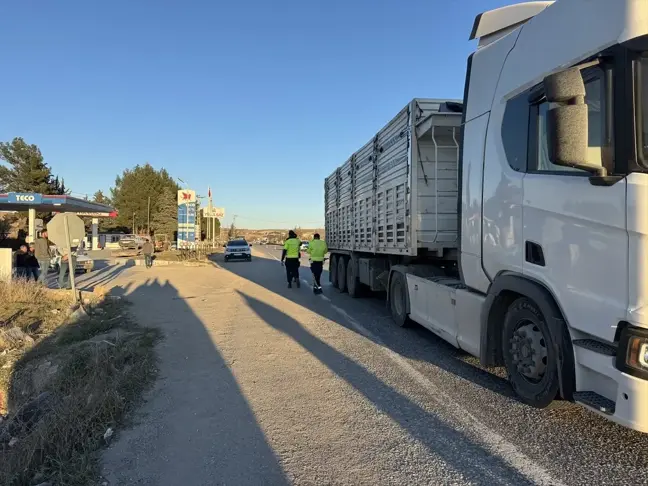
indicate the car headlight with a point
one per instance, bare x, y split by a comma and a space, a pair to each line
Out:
632, 356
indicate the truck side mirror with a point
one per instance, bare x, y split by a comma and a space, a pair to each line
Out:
567, 122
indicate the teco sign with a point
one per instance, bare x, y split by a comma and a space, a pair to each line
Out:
25, 198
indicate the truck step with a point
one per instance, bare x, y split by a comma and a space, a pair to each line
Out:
596, 401
596, 346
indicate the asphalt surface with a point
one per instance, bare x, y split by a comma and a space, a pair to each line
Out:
261, 384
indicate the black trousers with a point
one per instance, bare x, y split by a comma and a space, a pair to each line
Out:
292, 269
316, 268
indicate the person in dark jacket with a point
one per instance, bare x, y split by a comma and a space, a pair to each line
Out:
148, 249
22, 261
32, 264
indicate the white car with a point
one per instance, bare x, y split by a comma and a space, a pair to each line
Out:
238, 250
131, 242
84, 264
304, 246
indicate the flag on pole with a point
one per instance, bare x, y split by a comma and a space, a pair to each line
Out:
209, 192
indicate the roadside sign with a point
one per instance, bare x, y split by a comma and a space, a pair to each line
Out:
214, 213
187, 208
186, 196
57, 234
66, 231
25, 198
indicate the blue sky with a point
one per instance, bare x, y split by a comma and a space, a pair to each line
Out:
259, 99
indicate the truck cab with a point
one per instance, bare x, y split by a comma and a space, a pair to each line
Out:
554, 158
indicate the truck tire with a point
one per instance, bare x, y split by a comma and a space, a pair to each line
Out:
341, 274
530, 354
399, 300
333, 270
352, 282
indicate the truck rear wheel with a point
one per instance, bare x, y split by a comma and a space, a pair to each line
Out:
399, 300
342, 274
333, 270
352, 283
529, 354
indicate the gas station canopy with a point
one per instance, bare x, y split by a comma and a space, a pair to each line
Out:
23, 201
43, 203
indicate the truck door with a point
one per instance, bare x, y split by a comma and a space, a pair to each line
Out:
574, 233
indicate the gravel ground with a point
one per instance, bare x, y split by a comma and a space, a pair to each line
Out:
260, 384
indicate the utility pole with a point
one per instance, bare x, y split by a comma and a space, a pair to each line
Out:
134, 222
148, 217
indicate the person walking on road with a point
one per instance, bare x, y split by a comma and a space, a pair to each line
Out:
317, 250
42, 254
148, 251
291, 256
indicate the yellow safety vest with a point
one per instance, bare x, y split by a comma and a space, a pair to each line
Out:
317, 250
292, 247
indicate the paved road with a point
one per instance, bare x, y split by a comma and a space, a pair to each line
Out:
260, 384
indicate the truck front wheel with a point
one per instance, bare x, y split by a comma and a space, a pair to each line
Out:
399, 300
529, 354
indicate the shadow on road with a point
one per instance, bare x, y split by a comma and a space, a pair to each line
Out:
415, 343
103, 276
476, 464
199, 427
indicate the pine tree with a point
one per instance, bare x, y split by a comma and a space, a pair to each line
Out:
165, 219
100, 198
131, 193
26, 170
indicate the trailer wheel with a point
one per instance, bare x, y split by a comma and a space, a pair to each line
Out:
341, 274
333, 270
352, 283
399, 300
530, 355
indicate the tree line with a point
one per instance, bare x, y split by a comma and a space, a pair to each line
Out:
145, 198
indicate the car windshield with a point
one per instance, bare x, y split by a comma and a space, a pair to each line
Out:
237, 243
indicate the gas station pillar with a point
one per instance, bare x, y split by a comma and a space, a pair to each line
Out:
31, 237
95, 233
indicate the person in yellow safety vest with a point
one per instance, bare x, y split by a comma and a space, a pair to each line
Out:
317, 250
291, 255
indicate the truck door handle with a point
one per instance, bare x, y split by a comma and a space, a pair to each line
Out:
534, 254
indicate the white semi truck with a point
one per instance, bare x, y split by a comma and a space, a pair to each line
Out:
514, 224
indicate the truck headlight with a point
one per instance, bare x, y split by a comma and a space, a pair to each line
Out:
632, 357
643, 355
637, 355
